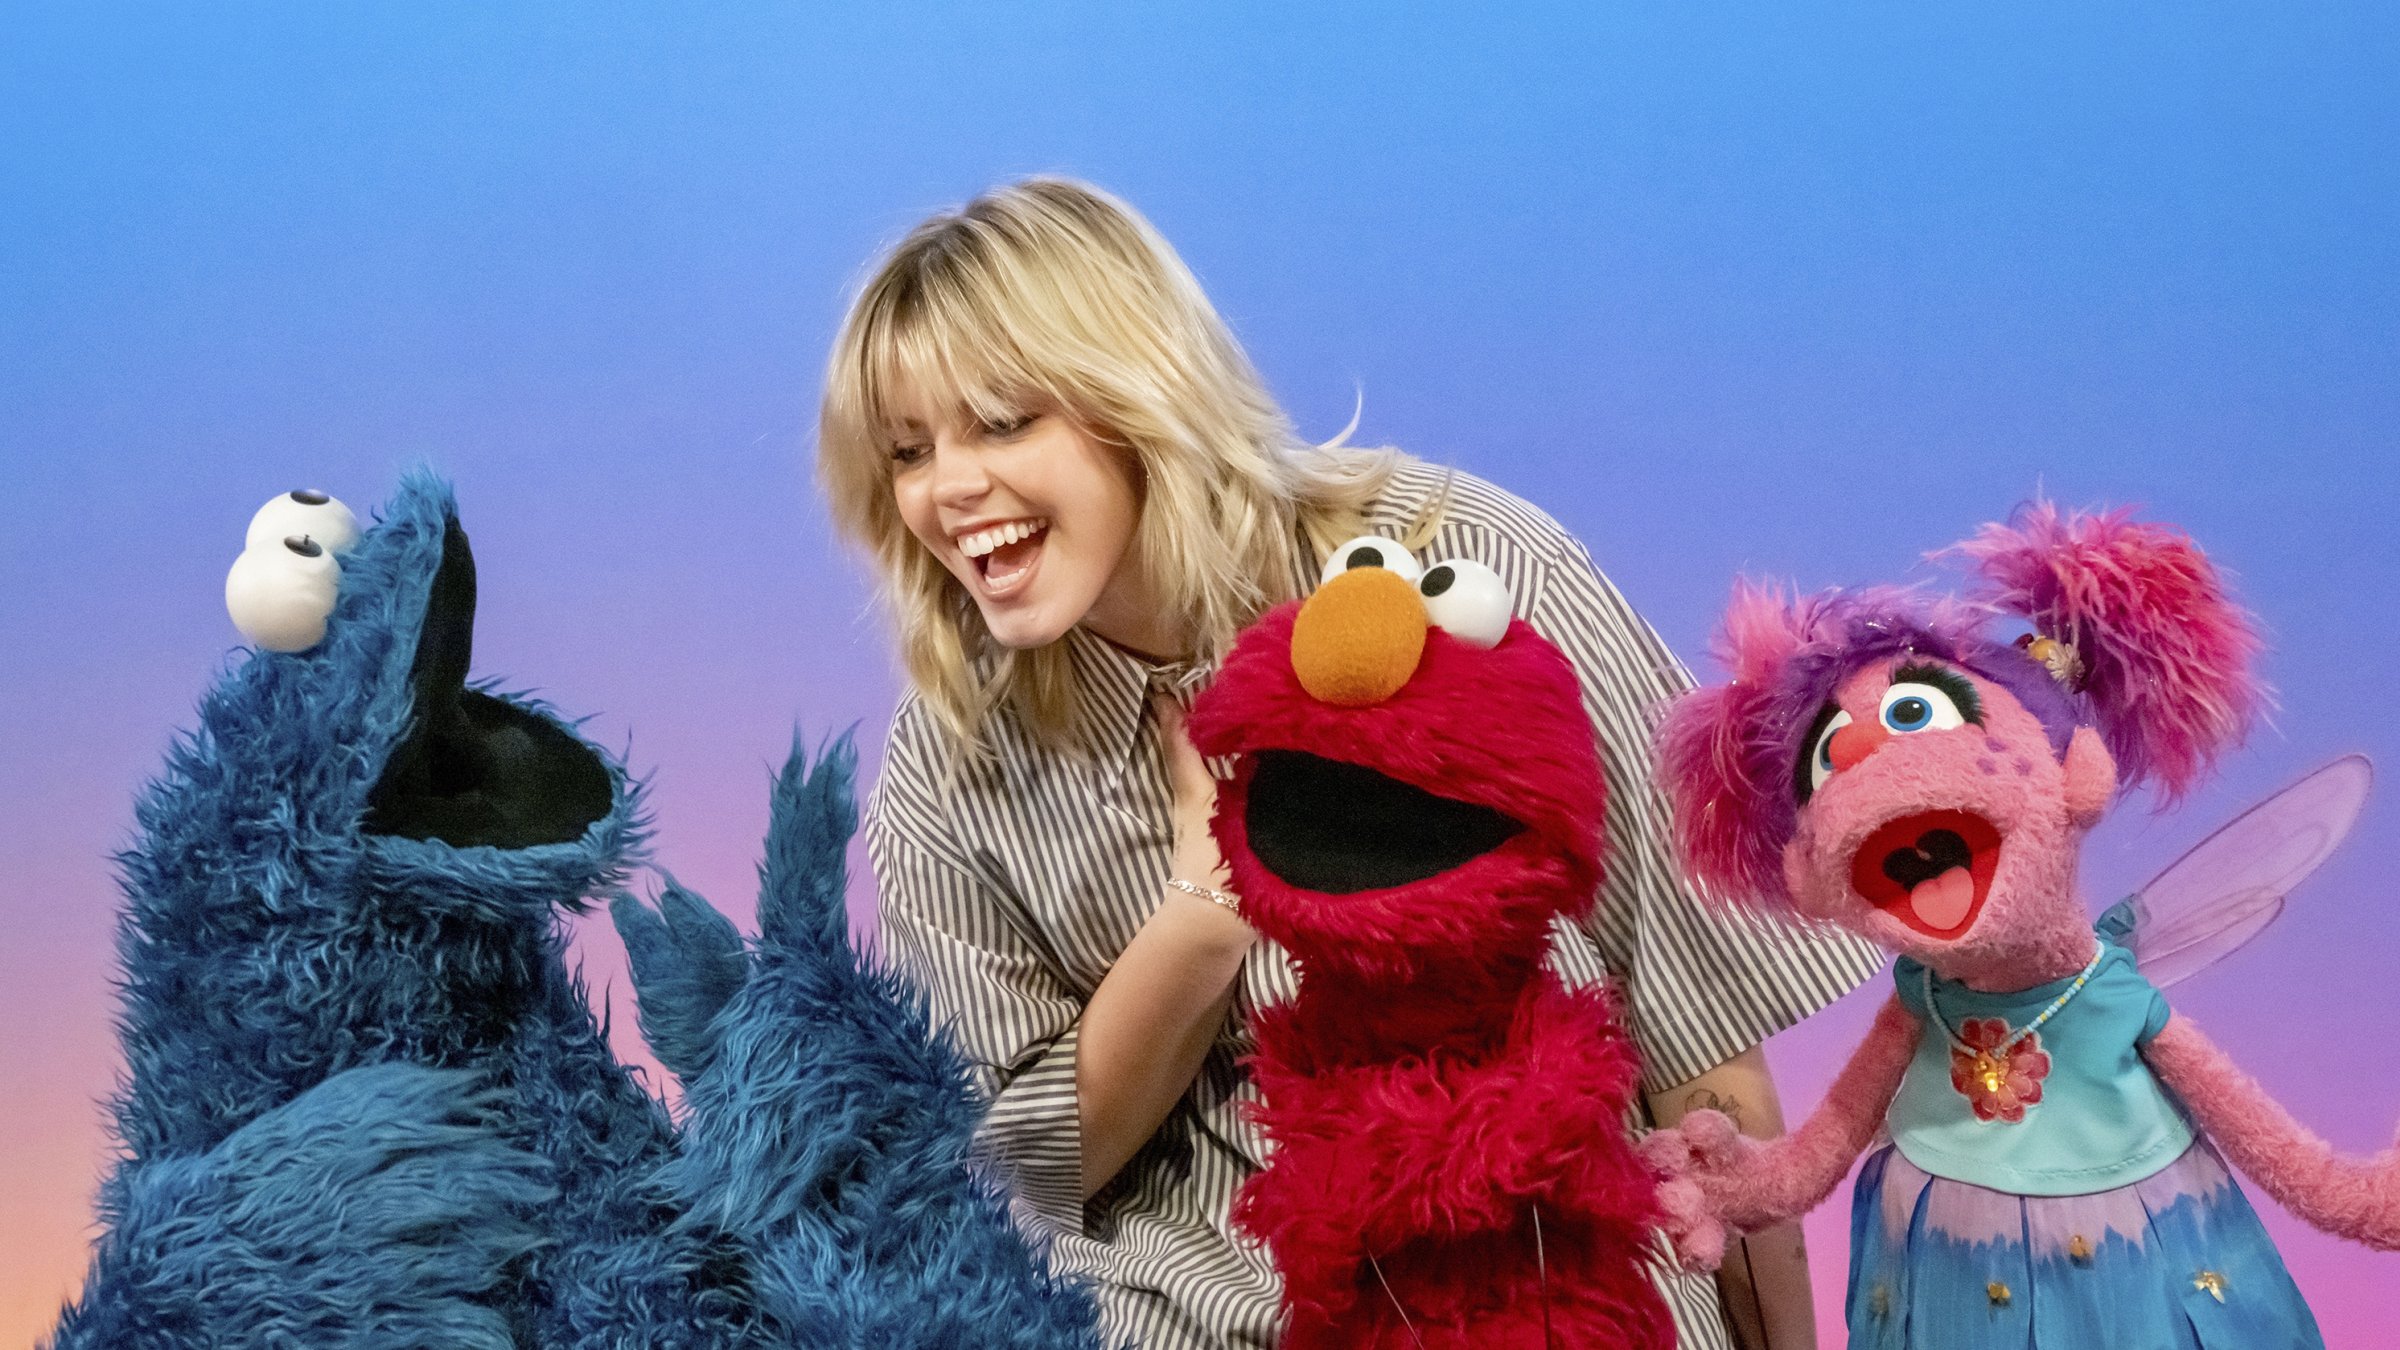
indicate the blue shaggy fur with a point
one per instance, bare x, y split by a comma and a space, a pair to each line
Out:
841, 1170
366, 1103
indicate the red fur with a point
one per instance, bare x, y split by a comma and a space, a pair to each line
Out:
2354, 1198
1432, 1092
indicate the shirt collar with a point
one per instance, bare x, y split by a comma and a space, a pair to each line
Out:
1113, 688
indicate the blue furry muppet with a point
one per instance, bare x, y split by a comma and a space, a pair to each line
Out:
366, 1104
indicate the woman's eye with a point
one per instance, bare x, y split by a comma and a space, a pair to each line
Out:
1820, 754
1370, 550
910, 454
1910, 706
1002, 428
1467, 600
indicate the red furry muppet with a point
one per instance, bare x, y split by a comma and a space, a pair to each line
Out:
1416, 797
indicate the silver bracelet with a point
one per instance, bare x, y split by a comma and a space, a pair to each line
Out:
1210, 894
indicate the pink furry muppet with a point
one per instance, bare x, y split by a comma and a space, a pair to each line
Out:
1879, 760
1416, 797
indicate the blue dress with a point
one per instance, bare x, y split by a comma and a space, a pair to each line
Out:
2046, 1192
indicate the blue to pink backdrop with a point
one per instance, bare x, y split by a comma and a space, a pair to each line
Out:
1802, 289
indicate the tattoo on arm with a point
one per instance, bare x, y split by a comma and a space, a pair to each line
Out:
1705, 1100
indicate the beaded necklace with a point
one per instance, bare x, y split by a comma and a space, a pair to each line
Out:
1990, 1065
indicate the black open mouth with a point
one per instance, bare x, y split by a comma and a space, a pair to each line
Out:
476, 770
1323, 825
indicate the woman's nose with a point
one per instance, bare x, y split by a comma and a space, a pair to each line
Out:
958, 473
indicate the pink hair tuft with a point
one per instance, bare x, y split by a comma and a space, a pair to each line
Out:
1709, 750
2167, 654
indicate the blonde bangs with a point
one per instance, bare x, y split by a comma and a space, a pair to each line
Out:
1054, 293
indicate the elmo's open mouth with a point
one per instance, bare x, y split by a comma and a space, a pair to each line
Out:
1930, 871
1323, 825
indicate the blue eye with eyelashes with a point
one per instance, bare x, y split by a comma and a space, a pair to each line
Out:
1910, 712
1928, 698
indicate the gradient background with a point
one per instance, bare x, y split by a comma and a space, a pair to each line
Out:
1803, 288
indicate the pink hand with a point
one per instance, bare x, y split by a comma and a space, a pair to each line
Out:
1699, 1163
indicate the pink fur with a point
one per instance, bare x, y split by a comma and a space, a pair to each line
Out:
2166, 688
1726, 753
1747, 1184
2031, 928
2167, 653
2353, 1198
1707, 748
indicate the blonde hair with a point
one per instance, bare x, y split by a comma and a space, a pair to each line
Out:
1055, 290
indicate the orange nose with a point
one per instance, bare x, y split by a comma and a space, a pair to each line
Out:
1358, 638
1855, 742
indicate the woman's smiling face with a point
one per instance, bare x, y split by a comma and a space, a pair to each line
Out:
1035, 518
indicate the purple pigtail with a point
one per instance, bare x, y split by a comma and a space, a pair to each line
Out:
2166, 654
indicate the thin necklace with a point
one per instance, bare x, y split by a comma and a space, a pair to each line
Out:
1991, 1064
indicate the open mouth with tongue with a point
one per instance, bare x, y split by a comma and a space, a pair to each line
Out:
1930, 871
1004, 556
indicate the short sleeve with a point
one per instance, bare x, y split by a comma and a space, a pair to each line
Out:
1702, 982
1908, 985
988, 985
2155, 1012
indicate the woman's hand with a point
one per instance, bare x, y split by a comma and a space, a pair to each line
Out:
1196, 857
1151, 1022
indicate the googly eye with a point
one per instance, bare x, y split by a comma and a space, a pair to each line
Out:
1467, 600
305, 512
281, 593
1910, 706
1820, 751
1371, 551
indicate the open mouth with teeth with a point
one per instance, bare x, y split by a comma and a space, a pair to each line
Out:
1004, 554
1337, 828
1931, 871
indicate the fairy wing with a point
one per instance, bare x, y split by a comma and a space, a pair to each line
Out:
2211, 901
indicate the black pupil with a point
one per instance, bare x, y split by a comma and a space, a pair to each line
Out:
1366, 555
1910, 711
310, 497
1438, 580
303, 545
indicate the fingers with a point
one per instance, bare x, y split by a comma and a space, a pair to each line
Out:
1690, 1220
1712, 1136
1692, 1226
1187, 771
1667, 1152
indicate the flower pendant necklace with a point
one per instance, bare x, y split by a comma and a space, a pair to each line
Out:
1997, 1070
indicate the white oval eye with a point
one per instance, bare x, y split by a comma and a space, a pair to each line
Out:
281, 594
305, 512
1910, 706
1371, 551
1467, 600
1820, 754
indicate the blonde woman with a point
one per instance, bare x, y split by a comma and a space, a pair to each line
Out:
1075, 490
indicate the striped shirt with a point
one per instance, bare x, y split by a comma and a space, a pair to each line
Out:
1007, 889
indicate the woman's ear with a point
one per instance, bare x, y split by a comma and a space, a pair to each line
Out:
2091, 778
